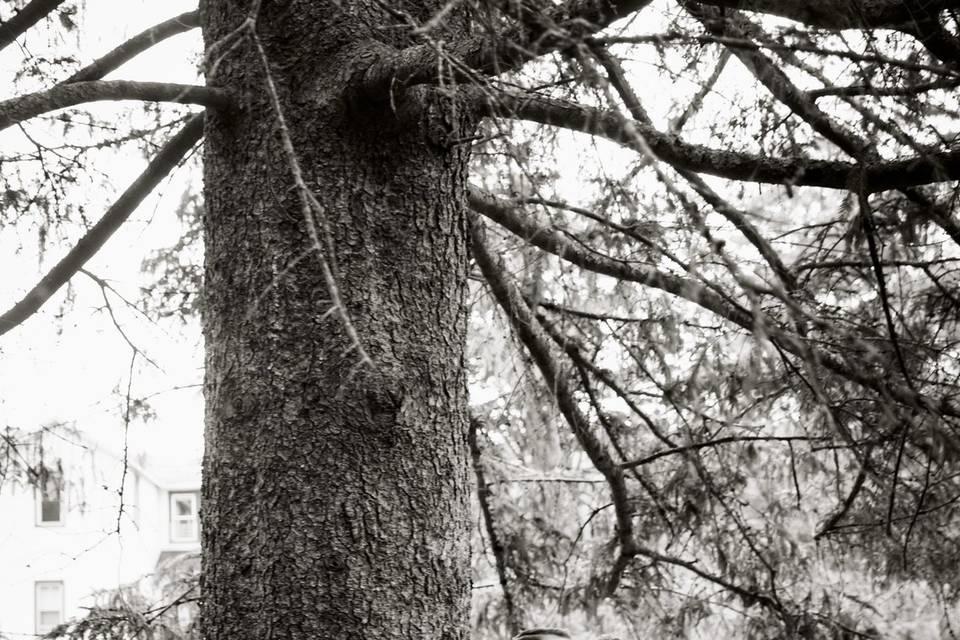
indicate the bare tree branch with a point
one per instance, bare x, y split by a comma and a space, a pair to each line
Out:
66, 95
843, 14
783, 89
739, 219
314, 215
532, 336
834, 518
30, 15
854, 90
553, 242
134, 46
505, 215
713, 443
537, 344
661, 39
933, 167
164, 162
496, 545
774, 78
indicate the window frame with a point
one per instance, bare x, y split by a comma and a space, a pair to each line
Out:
194, 519
40, 493
37, 625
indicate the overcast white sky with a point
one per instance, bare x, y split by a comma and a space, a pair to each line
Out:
75, 368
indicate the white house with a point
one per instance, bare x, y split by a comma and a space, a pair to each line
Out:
66, 532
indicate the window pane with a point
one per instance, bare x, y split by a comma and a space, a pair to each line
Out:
50, 511
51, 487
184, 520
183, 506
48, 595
183, 529
48, 499
49, 619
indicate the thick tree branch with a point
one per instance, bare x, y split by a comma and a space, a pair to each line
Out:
168, 157
420, 63
933, 167
134, 46
801, 104
851, 91
843, 14
67, 95
30, 15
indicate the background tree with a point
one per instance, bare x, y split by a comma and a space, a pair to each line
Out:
734, 316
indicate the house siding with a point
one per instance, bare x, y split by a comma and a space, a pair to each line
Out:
96, 546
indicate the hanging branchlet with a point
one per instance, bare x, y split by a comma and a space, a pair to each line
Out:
314, 218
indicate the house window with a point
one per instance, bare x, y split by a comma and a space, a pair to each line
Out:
49, 504
48, 599
184, 520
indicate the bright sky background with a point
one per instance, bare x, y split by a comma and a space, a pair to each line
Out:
75, 368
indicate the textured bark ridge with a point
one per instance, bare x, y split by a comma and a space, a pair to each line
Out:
335, 499
844, 14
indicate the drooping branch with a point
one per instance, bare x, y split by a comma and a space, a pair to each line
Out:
168, 157
134, 46
314, 215
557, 380
929, 168
661, 39
936, 38
532, 336
553, 242
507, 216
67, 95
30, 15
496, 545
585, 367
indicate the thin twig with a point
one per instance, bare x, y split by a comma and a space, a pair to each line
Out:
310, 207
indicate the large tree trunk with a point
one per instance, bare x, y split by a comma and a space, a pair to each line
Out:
335, 498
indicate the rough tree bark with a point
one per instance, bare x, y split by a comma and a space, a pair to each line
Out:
335, 496
845, 14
